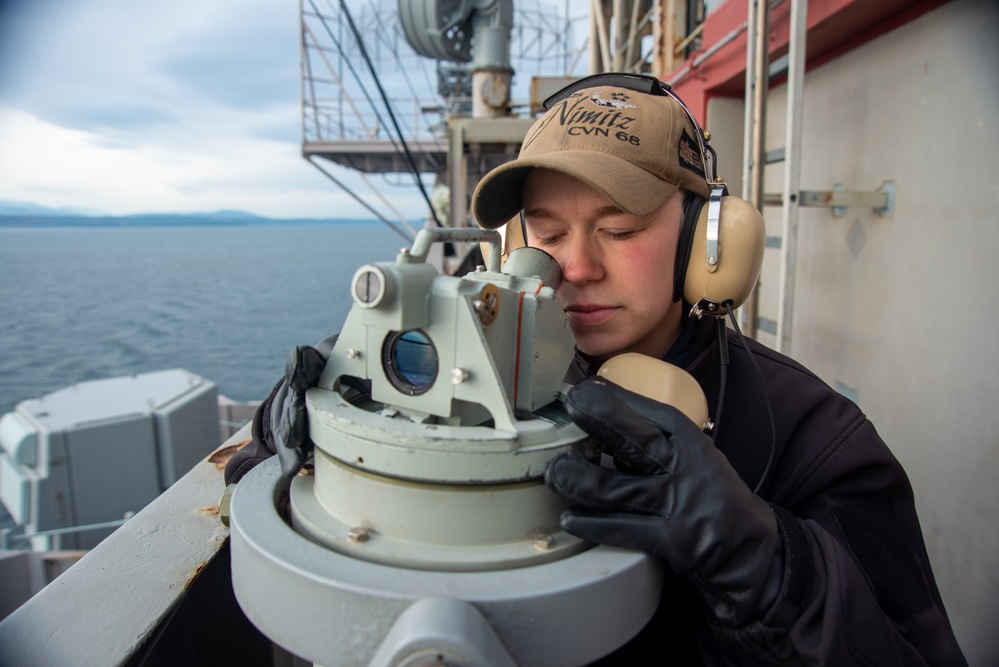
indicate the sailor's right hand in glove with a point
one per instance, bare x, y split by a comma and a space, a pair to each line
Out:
676, 497
281, 423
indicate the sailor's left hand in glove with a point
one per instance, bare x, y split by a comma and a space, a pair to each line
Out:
679, 500
281, 423
289, 421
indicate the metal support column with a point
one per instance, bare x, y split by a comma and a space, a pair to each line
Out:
600, 51
757, 85
792, 172
619, 11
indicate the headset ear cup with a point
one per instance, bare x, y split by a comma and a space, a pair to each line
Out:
741, 240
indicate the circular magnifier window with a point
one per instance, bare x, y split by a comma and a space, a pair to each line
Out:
410, 361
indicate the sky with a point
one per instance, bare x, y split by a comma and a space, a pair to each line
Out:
120, 107
126, 107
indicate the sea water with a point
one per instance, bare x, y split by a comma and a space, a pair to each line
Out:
226, 302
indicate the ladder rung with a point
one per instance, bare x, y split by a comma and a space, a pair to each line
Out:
836, 199
776, 155
767, 325
778, 66
839, 199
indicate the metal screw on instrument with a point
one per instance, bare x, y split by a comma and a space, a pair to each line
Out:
544, 542
358, 534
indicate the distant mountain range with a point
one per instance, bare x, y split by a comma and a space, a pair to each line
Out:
24, 214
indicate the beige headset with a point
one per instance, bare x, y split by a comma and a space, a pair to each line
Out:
720, 256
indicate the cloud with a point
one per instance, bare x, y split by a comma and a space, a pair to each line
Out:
103, 62
58, 166
129, 107
249, 68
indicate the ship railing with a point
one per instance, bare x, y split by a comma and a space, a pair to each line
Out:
50, 540
332, 119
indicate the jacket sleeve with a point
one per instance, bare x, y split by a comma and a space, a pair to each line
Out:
858, 588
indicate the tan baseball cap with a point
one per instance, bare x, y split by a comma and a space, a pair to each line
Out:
634, 148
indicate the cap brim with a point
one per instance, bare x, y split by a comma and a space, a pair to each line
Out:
499, 196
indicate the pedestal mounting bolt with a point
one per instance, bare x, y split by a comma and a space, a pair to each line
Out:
358, 534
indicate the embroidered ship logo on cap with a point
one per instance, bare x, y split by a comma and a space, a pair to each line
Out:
617, 101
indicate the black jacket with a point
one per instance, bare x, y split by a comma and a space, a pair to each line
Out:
858, 588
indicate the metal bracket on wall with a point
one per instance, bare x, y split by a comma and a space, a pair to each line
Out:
882, 200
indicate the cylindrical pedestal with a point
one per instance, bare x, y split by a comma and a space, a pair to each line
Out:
337, 610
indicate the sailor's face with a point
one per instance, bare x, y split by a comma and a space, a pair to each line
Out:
617, 268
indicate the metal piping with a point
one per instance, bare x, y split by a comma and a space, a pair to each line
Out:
429, 236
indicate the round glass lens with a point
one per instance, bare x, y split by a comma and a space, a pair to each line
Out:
412, 361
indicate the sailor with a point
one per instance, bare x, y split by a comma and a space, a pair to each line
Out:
824, 563
790, 532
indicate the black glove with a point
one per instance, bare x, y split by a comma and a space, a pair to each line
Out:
281, 423
289, 421
680, 500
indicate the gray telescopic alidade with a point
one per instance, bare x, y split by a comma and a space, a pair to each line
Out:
423, 534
